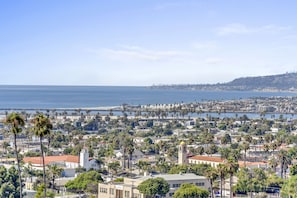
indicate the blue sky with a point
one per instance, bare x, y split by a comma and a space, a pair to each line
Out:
145, 42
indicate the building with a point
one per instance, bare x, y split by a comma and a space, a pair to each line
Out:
182, 153
128, 188
68, 162
215, 161
201, 159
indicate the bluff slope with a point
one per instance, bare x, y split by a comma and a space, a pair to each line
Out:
280, 82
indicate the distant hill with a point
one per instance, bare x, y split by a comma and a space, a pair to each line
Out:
280, 82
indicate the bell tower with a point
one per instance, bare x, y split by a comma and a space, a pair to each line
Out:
182, 153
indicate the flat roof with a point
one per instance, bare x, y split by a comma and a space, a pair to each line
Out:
174, 177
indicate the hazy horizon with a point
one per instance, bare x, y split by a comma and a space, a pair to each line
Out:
144, 43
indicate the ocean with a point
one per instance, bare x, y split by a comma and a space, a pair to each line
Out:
26, 97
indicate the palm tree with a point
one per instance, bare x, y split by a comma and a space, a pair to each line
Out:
42, 127
245, 146
15, 122
273, 162
54, 172
221, 169
232, 167
211, 174
285, 161
143, 166
130, 150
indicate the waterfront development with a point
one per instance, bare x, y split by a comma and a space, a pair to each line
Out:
148, 99
231, 147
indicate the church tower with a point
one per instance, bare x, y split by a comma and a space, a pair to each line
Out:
182, 153
84, 159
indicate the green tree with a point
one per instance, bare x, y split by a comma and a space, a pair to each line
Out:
289, 188
259, 180
42, 127
130, 149
274, 181
40, 191
225, 152
15, 123
226, 139
211, 174
221, 170
190, 191
285, 161
198, 169
179, 169
154, 186
143, 165
244, 181
273, 162
245, 147
293, 170
9, 183
54, 171
232, 167
114, 167
85, 182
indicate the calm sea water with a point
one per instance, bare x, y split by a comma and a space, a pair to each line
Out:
97, 96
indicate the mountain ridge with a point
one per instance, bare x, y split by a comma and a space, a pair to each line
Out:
278, 82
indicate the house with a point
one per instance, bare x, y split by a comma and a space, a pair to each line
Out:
128, 188
68, 162
136, 155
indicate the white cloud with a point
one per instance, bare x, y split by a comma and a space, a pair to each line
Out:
208, 45
234, 28
238, 28
139, 54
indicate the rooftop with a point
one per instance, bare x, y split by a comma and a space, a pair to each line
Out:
50, 159
207, 158
174, 177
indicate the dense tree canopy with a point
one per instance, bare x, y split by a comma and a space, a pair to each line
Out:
190, 191
85, 182
154, 186
289, 188
9, 183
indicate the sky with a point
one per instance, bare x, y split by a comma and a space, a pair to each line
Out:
145, 42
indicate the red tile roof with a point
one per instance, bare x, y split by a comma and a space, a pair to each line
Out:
207, 158
219, 160
49, 159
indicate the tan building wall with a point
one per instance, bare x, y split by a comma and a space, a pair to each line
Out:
118, 190
124, 190
212, 161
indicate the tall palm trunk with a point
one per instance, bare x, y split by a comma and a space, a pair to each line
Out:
53, 180
18, 164
231, 184
43, 166
244, 158
124, 158
221, 188
211, 187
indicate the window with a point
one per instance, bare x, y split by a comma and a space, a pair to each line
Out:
111, 191
200, 184
135, 195
103, 190
127, 194
175, 185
